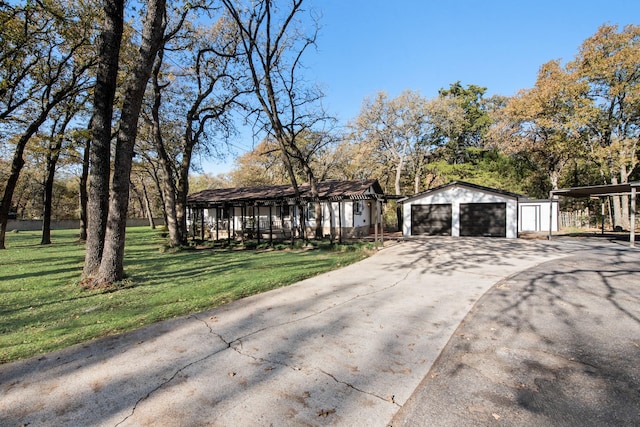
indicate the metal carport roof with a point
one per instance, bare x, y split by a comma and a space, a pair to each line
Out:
628, 188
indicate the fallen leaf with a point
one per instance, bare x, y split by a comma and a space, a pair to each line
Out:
326, 412
496, 416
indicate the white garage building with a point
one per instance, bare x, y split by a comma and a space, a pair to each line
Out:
461, 209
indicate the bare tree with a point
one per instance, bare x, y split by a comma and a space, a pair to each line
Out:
272, 47
208, 92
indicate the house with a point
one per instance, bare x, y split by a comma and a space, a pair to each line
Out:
461, 209
348, 208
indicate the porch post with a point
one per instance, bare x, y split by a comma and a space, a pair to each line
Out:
217, 223
243, 216
379, 207
257, 206
230, 215
270, 224
632, 231
202, 225
375, 226
340, 220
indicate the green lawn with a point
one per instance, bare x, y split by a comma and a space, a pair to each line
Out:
42, 307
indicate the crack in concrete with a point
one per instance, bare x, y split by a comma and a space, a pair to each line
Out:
390, 399
229, 345
178, 371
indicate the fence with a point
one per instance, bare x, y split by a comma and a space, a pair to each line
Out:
579, 219
68, 224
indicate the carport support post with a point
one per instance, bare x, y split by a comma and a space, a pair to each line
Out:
632, 231
550, 213
602, 203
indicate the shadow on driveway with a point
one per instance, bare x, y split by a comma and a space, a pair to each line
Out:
556, 345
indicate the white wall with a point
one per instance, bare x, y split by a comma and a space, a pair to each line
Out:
534, 215
457, 195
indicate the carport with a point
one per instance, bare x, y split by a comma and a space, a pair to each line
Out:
601, 191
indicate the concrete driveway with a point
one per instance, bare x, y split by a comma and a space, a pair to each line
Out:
554, 345
345, 348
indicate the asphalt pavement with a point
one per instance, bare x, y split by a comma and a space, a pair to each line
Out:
364, 344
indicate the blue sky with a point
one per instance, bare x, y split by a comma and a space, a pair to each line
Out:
366, 46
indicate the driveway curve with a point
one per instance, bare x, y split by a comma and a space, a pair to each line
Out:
347, 347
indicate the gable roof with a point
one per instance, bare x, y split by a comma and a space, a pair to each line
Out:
327, 190
459, 184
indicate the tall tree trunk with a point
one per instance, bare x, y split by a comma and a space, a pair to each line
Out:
52, 160
147, 205
168, 183
100, 153
182, 190
617, 207
398, 177
53, 155
16, 167
112, 265
158, 184
83, 190
624, 199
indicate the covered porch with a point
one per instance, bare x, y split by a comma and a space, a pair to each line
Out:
347, 209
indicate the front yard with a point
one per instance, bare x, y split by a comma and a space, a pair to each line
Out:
43, 308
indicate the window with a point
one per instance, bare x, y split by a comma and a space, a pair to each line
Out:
358, 207
311, 211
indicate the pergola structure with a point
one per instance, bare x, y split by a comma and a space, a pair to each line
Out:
601, 191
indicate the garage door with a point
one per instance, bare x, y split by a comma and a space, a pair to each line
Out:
483, 219
432, 220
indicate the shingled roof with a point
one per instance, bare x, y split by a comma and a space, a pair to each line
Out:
327, 190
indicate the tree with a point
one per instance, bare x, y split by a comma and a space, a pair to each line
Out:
57, 38
111, 267
609, 64
473, 122
199, 107
272, 48
540, 123
108, 55
261, 166
55, 143
393, 128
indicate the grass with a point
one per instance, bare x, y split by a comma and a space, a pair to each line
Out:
43, 308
